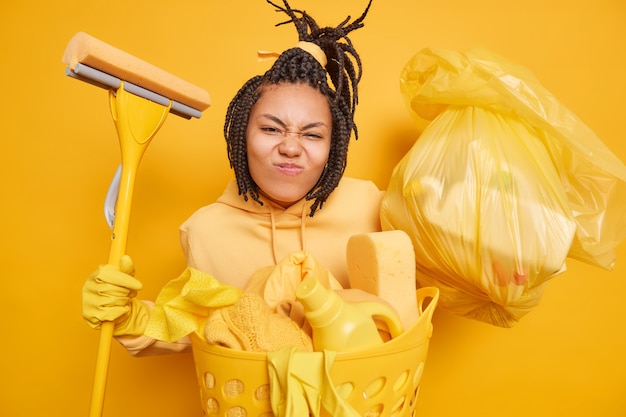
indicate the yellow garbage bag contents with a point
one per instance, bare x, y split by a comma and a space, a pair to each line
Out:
184, 303
502, 186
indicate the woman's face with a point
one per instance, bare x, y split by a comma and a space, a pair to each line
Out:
288, 141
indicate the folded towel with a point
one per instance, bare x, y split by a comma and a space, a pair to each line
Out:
251, 325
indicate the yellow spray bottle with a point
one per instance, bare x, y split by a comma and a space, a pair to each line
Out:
343, 326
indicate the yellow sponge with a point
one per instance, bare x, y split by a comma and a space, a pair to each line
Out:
383, 264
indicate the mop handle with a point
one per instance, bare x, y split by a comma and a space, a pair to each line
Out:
137, 121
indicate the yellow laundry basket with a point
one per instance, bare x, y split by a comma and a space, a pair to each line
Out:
378, 382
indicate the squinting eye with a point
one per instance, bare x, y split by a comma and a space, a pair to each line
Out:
312, 136
271, 130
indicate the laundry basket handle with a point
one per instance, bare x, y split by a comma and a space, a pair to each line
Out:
427, 299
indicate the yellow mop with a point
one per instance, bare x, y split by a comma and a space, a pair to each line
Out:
140, 98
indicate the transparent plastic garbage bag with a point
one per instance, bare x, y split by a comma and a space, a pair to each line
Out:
501, 187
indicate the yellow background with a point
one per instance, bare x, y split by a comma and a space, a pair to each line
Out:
59, 152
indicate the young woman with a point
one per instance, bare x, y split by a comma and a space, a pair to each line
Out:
287, 134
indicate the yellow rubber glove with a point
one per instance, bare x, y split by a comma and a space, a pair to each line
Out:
109, 295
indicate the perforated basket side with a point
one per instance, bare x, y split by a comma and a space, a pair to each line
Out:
378, 382
232, 383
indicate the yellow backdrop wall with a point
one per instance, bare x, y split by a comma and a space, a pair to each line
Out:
59, 152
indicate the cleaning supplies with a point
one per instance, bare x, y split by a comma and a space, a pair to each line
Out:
383, 264
140, 98
251, 325
109, 296
185, 302
341, 326
101, 64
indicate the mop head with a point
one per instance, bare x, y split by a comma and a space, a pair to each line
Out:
101, 64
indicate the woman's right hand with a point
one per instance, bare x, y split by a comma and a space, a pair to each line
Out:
109, 295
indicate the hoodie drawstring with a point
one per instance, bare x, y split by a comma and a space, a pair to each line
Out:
302, 227
302, 231
273, 237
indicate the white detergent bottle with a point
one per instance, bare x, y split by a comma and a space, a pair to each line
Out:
343, 326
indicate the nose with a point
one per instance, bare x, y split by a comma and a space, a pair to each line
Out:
290, 144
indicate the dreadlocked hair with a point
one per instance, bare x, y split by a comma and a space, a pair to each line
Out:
295, 65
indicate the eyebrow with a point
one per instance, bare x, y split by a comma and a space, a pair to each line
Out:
284, 125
